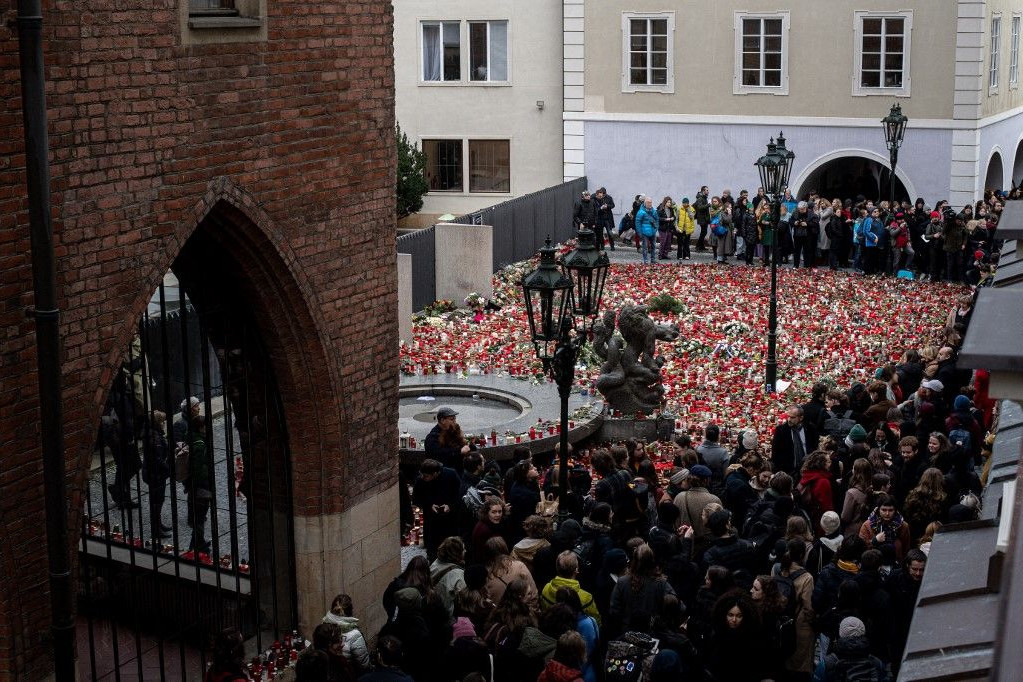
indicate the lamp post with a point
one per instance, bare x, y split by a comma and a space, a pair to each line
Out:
554, 298
894, 130
774, 167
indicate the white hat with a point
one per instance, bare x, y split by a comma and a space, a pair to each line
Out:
851, 627
193, 402
933, 385
749, 440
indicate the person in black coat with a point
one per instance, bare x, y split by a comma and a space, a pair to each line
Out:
605, 218
814, 411
739, 496
445, 442
156, 469
585, 213
785, 454
523, 497
910, 371
728, 549
436, 493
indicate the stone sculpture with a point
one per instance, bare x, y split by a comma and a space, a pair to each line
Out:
630, 376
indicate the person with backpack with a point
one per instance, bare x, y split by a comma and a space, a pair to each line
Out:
796, 584
845, 567
851, 660
778, 625
728, 549
593, 543
614, 489
638, 596
814, 489
568, 574
824, 547
446, 573
857, 497
964, 431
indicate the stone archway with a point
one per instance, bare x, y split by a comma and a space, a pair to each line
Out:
1017, 165
994, 177
848, 172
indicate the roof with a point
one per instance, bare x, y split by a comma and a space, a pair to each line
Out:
993, 340
1010, 224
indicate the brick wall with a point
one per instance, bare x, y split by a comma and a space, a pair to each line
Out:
289, 142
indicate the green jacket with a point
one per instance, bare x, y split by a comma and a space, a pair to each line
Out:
549, 596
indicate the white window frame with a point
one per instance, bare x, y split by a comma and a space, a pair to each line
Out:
507, 51
464, 60
466, 167
994, 53
1014, 31
669, 85
738, 88
859, 90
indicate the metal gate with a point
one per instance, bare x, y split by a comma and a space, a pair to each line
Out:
188, 519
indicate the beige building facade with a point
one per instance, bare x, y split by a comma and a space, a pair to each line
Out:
661, 98
478, 87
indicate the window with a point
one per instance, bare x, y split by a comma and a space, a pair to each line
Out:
442, 59
207, 6
648, 52
443, 165
488, 165
882, 53
996, 38
761, 53
1014, 53
488, 50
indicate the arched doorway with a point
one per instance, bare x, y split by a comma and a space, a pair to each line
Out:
993, 179
846, 174
1017, 166
164, 563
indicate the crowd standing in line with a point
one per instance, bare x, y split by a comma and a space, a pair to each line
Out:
799, 559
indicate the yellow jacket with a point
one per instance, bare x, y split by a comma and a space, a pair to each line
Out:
686, 223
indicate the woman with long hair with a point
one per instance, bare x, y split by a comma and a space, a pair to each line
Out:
490, 524
638, 598
416, 574
926, 502
940, 452
737, 650
510, 619
791, 566
771, 605
857, 497
668, 218
796, 528
502, 570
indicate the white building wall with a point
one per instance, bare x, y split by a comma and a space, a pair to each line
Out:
1004, 138
486, 110
632, 157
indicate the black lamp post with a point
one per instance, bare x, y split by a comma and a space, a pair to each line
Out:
894, 130
774, 167
554, 297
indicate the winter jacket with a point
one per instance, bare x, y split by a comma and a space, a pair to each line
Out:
738, 496
605, 206
548, 597
702, 209
896, 533
667, 219
817, 486
198, 463
732, 552
559, 672
633, 609
647, 222
448, 580
846, 655
498, 579
716, 458
692, 502
827, 582
585, 212
854, 510
686, 220
356, 650
525, 550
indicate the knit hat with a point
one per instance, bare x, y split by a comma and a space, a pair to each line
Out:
679, 476
749, 440
933, 385
700, 471
615, 560
830, 522
462, 628
851, 627
857, 434
961, 403
570, 529
935, 214
685, 200
409, 599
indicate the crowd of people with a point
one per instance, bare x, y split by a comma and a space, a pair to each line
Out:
799, 559
933, 243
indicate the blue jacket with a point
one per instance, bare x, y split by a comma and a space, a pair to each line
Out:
875, 227
647, 222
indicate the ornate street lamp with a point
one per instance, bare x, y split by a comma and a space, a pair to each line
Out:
894, 130
554, 297
775, 167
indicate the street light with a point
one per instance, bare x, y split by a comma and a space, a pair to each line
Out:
894, 130
775, 168
554, 297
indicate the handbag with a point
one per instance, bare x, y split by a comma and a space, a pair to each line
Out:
628, 235
181, 462
547, 506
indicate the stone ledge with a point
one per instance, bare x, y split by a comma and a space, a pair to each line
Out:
217, 22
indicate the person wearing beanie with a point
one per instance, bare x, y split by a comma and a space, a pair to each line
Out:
961, 418
850, 657
826, 546
857, 434
692, 501
677, 483
685, 227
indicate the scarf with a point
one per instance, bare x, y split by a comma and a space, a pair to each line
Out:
890, 528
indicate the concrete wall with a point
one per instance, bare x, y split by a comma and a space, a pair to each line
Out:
676, 159
820, 60
486, 110
465, 261
405, 297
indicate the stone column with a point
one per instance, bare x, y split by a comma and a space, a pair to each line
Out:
405, 297
464, 260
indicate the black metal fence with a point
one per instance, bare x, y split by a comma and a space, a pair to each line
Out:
178, 544
520, 227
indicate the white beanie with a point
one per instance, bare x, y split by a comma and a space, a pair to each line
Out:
851, 627
749, 440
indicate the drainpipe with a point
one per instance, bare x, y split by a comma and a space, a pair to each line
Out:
47, 318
